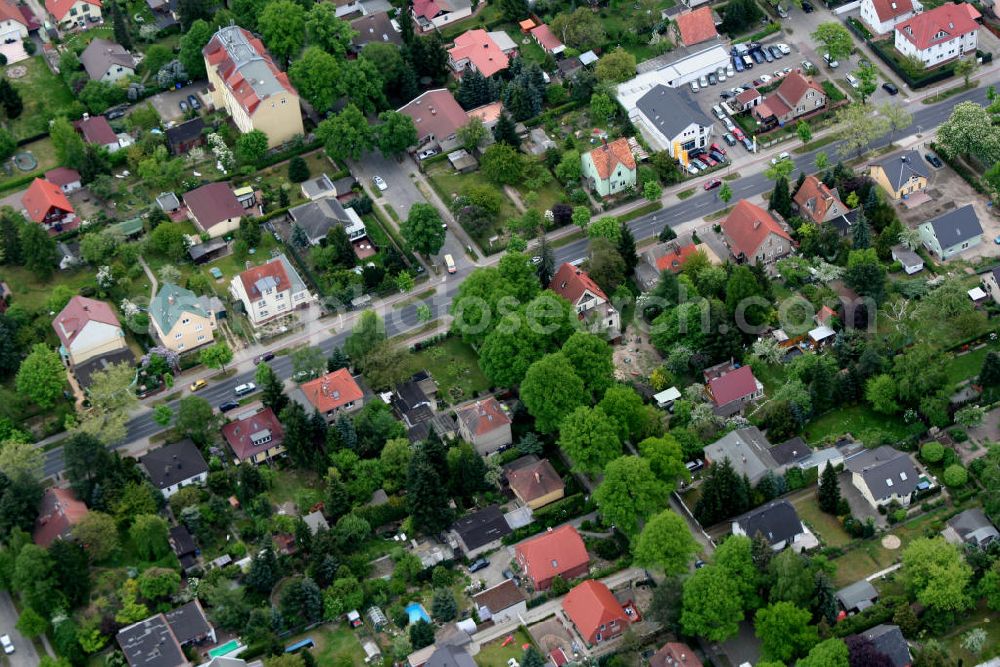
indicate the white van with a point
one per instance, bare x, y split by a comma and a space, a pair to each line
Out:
450, 263
244, 389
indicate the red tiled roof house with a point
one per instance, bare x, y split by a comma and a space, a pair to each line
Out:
74, 13
437, 117
731, 388
558, 552
534, 482
674, 654
881, 16
481, 51
673, 260
13, 29
696, 26
87, 328
431, 14
598, 616
610, 168
543, 35
45, 204
796, 96
58, 512
331, 394
484, 425
817, 202
940, 34
257, 438
589, 300
754, 236
271, 290
214, 209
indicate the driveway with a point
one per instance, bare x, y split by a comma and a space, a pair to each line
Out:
167, 103
493, 574
24, 654
860, 508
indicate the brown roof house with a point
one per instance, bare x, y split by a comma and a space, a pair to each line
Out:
534, 482
817, 202
437, 117
256, 437
58, 512
214, 209
674, 654
485, 425
796, 96
503, 602
589, 300
754, 236
87, 328
107, 61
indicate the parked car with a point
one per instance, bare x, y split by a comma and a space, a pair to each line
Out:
719, 113
698, 163
757, 56
853, 81
726, 94
430, 152
780, 157
729, 139
807, 65
832, 62
198, 384
747, 61
711, 79
710, 161
8, 645
784, 49
267, 356
747, 144
775, 52
730, 72
193, 101
767, 54
738, 62
479, 565
379, 183
718, 157
720, 74
738, 133
228, 405
245, 388
807, 7
712, 184
765, 79
703, 81
717, 148
934, 160
695, 87
693, 170
782, 12
183, 105
890, 88
730, 125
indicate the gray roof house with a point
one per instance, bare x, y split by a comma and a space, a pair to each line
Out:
900, 174
908, 259
883, 474
748, 452
971, 527
669, 116
450, 656
888, 639
316, 522
777, 522
318, 217
377, 27
793, 451
480, 531
857, 597
952, 233
157, 641
319, 186
107, 61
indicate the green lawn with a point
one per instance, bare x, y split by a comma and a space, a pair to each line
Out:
862, 562
296, 486
43, 152
963, 367
334, 641
859, 420
450, 183
981, 617
548, 196
455, 367
45, 96
231, 265
276, 176
825, 525
496, 655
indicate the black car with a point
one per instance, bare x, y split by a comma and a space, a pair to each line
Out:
711, 79
890, 88
807, 7
726, 95
757, 56
228, 405
718, 157
267, 356
934, 160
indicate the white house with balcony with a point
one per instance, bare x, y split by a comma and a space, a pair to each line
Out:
939, 35
271, 290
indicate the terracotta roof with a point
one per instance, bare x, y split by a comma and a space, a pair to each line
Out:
483, 416
889, 9
747, 226
733, 386
435, 113
242, 433
332, 391
571, 283
500, 597
211, 204
78, 312
608, 156
814, 199
10, 12
245, 66
747, 96
480, 49
62, 176
554, 552
674, 260
96, 130
488, 113
526, 25
59, 8
950, 19
697, 26
534, 480
58, 512
545, 37
675, 654
824, 315
267, 276
590, 605
42, 196
426, 8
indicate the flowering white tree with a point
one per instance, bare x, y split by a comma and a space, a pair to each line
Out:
105, 277
221, 152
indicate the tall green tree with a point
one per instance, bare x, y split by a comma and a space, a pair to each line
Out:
41, 376
784, 631
328, 32
120, 24
589, 438
193, 41
282, 23
551, 390
828, 492
422, 230
346, 135
936, 574
666, 542
591, 359
394, 133
711, 605
426, 492
629, 494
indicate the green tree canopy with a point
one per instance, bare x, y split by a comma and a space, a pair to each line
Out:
629, 494
666, 542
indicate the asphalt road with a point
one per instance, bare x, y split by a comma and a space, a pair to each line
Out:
24, 654
402, 320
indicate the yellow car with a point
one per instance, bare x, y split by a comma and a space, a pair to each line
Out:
198, 384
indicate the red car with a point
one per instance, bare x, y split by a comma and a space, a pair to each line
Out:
712, 184
708, 160
738, 133
717, 148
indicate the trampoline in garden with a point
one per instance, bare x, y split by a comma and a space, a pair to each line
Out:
25, 161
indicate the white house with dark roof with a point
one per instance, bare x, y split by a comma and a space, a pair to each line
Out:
747, 450
317, 218
971, 527
671, 120
952, 233
172, 467
889, 640
107, 61
500, 603
883, 474
776, 522
481, 531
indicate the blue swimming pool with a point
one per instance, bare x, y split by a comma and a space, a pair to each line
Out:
417, 612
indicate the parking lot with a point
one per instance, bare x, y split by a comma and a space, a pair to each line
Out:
167, 103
